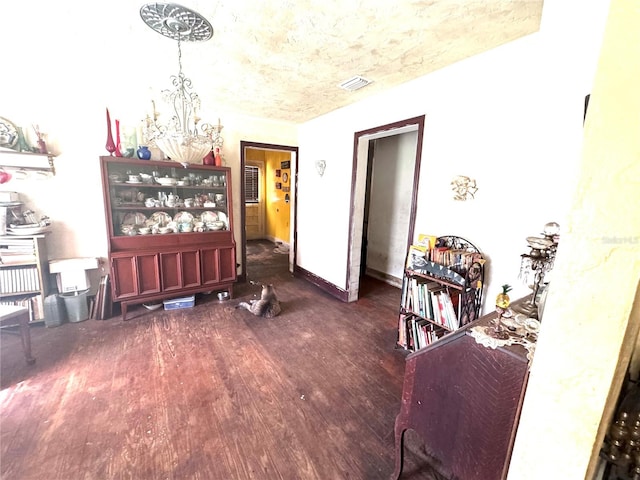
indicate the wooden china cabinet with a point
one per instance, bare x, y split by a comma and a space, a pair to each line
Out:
170, 229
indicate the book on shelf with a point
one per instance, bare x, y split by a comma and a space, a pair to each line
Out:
7, 258
416, 256
402, 330
16, 280
428, 241
441, 284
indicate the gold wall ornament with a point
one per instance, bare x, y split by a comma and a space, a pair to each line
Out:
464, 188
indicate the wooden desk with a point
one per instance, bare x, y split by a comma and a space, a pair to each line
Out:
464, 401
10, 315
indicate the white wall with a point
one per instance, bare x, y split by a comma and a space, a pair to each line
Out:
66, 92
390, 204
510, 118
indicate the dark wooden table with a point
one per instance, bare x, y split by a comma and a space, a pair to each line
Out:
12, 315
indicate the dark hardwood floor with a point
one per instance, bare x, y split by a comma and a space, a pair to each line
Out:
212, 392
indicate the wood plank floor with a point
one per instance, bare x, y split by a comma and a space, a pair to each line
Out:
212, 392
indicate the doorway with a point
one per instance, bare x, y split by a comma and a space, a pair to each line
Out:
368, 203
267, 199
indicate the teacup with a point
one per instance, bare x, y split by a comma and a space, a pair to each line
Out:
135, 178
188, 202
144, 230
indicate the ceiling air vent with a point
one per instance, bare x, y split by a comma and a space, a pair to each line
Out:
354, 83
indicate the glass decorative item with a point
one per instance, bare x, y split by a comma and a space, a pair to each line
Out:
535, 264
143, 153
208, 159
110, 145
118, 151
42, 145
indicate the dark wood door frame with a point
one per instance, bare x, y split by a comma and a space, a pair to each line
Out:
294, 184
356, 220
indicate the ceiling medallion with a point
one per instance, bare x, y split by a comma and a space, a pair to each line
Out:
176, 22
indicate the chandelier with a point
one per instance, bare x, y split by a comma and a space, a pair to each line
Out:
181, 138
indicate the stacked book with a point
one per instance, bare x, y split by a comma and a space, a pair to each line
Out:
16, 252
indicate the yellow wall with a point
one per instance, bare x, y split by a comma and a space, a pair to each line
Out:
278, 210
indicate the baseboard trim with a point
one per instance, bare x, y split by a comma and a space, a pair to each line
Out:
385, 277
321, 283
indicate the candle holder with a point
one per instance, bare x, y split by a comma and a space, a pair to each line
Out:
535, 264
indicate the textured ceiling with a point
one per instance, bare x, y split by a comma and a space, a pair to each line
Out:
284, 59
277, 59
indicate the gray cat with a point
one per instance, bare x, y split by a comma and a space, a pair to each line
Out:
267, 306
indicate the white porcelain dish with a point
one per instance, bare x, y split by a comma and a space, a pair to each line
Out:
166, 180
183, 217
28, 230
152, 306
208, 217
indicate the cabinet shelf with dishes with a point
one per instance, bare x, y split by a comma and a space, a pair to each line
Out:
170, 229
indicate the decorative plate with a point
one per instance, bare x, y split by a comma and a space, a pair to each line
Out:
134, 218
8, 134
532, 325
159, 218
223, 218
183, 217
208, 217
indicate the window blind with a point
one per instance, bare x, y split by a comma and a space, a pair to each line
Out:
251, 181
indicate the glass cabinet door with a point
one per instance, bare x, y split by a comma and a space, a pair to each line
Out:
160, 198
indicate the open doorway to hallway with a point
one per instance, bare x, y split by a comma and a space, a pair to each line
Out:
388, 196
384, 195
267, 202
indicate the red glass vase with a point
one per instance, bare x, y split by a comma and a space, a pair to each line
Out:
110, 146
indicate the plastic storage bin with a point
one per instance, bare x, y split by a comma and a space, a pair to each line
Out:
55, 313
76, 305
182, 302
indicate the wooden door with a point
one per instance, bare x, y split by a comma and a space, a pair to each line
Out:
179, 270
148, 273
124, 278
227, 264
210, 263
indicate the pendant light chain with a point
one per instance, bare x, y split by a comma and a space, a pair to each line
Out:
179, 57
